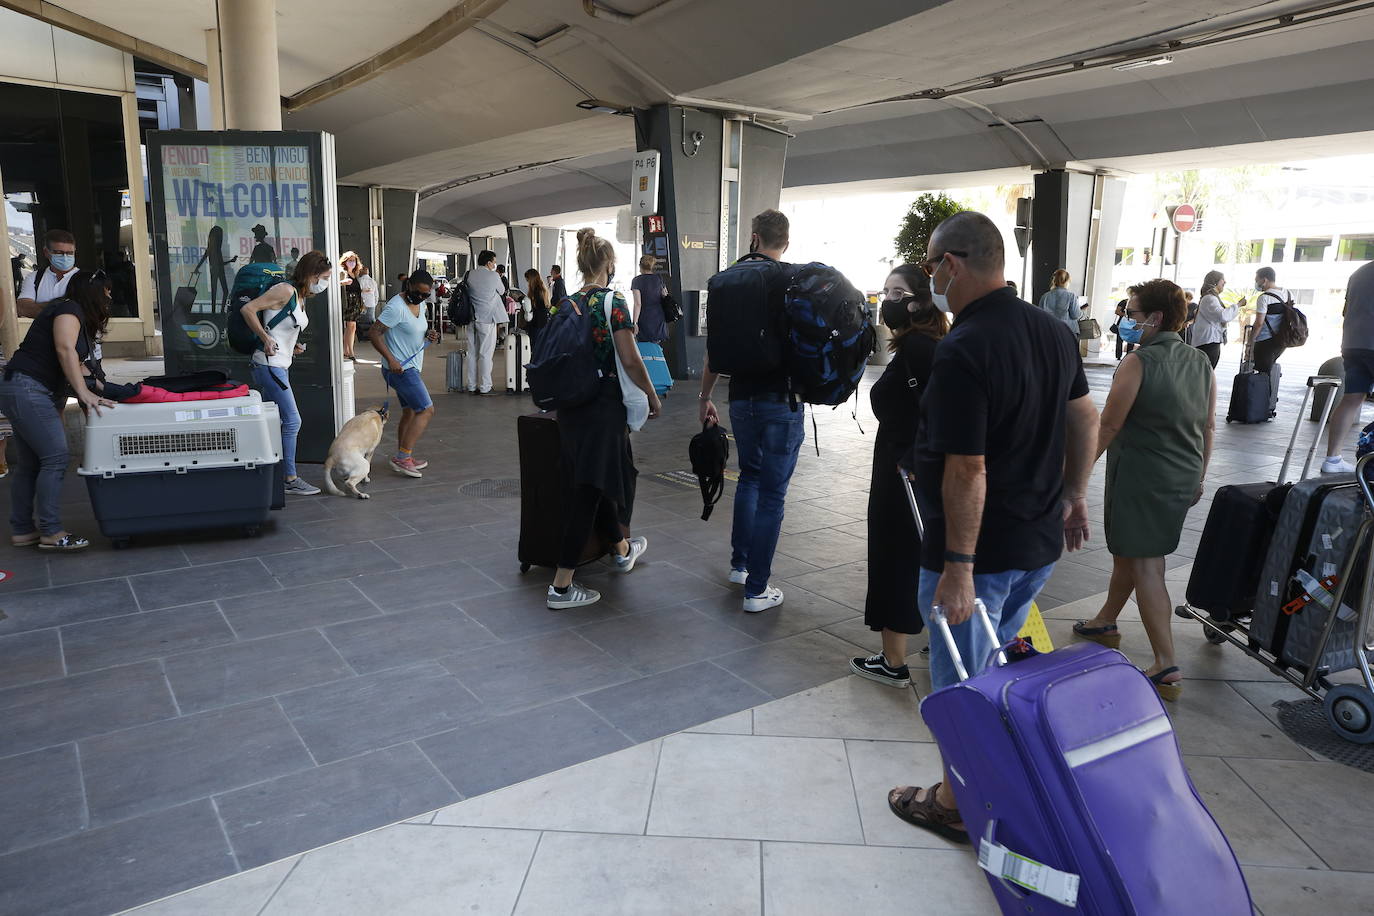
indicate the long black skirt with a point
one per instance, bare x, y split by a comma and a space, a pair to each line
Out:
894, 548
595, 442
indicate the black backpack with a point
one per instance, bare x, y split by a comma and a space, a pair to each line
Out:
709, 450
744, 328
830, 335
240, 335
564, 371
460, 308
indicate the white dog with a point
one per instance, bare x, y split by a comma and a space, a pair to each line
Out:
351, 452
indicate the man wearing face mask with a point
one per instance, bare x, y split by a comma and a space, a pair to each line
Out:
400, 335
489, 311
49, 283
1003, 457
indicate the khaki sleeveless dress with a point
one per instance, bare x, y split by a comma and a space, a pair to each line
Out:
1155, 463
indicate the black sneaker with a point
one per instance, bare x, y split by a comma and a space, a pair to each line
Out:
876, 668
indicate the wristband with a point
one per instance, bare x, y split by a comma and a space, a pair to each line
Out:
952, 557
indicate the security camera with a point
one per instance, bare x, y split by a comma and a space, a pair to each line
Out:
697, 136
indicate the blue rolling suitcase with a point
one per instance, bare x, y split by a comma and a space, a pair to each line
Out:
654, 361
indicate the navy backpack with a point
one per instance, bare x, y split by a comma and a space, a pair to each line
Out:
830, 333
564, 371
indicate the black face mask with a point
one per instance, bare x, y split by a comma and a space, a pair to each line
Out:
610, 275
415, 297
895, 313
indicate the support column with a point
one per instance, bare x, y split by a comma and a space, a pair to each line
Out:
248, 64
1075, 218
215, 79
398, 209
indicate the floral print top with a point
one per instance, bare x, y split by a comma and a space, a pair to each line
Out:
601, 329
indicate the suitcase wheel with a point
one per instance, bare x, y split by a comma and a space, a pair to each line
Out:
524, 567
1350, 712
119, 543
252, 531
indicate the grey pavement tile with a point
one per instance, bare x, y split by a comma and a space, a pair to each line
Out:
291, 814
40, 797
1211, 719
83, 705
325, 564
730, 786
800, 612
32, 656
277, 538
202, 583
236, 672
668, 638
415, 550
243, 894
336, 531
520, 746
824, 549
847, 584
37, 609
1256, 833
1329, 805
819, 878
654, 583
1305, 892
437, 518
673, 876
787, 666
737, 723
550, 667
407, 869
851, 707
673, 700
522, 612
101, 561
1072, 581
377, 710
392, 640
411, 588
879, 766
140, 770
111, 868
802, 517
297, 608
133, 638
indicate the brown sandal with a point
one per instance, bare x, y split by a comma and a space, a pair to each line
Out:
928, 814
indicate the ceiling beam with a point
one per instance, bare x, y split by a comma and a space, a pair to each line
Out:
121, 41
438, 33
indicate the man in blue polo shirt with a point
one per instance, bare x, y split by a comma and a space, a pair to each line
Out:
1003, 457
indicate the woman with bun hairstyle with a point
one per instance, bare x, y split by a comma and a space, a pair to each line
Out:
598, 466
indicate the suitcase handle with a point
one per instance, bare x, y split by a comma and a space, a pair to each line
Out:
980, 613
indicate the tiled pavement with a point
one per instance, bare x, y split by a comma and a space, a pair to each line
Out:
191, 708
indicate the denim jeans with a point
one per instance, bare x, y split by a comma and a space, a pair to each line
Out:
40, 445
768, 436
266, 378
1007, 596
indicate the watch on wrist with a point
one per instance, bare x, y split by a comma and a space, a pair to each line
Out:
952, 557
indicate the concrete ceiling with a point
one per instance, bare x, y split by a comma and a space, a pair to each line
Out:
460, 122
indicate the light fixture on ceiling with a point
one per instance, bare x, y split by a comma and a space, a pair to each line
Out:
604, 107
1147, 62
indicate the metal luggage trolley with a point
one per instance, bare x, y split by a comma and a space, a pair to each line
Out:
1349, 707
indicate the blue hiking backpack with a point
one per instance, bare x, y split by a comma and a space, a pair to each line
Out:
564, 372
831, 335
249, 283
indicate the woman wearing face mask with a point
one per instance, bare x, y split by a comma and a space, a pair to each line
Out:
1124, 322
399, 334
272, 363
893, 540
1209, 329
1157, 432
350, 274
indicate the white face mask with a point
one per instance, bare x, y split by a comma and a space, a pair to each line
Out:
318, 287
941, 300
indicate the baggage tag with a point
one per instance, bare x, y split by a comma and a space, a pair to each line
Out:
1059, 886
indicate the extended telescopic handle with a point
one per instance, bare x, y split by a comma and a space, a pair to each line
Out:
980, 613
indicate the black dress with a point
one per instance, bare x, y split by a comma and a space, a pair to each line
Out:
894, 547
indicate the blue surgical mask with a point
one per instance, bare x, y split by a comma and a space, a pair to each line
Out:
1129, 330
941, 300
62, 262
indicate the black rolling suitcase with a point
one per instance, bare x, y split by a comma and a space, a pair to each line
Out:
542, 495
1254, 395
1235, 539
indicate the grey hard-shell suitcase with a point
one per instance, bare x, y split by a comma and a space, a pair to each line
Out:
453, 370
1312, 540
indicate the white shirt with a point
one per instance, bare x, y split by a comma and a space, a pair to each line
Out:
369, 288
1271, 322
1212, 318
285, 334
52, 287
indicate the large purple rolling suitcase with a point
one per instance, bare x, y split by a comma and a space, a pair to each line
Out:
1070, 780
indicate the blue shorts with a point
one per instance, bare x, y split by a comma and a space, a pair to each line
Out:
410, 389
1359, 371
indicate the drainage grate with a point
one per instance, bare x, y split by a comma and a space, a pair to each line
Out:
1305, 722
504, 488
218, 440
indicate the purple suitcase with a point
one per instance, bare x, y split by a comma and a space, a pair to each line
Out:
1069, 760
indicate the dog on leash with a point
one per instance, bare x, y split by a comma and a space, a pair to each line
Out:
351, 452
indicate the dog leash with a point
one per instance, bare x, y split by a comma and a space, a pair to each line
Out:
386, 376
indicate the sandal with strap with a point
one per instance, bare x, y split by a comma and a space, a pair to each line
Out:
1171, 690
1107, 635
24, 540
67, 543
928, 814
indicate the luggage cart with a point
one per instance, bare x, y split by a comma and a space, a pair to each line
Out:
1349, 707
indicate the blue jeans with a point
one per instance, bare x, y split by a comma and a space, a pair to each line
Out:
1007, 595
768, 436
40, 445
267, 379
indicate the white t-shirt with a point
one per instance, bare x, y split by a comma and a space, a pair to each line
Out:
1274, 295
369, 289
52, 287
285, 334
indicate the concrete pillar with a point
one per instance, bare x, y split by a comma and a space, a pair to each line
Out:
248, 64
215, 79
1075, 218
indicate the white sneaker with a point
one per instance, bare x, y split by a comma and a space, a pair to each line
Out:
771, 597
626, 563
577, 595
1337, 465
739, 576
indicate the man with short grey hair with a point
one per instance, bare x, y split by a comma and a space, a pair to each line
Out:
489, 312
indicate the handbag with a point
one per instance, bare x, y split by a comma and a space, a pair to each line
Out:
1089, 329
671, 310
636, 401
